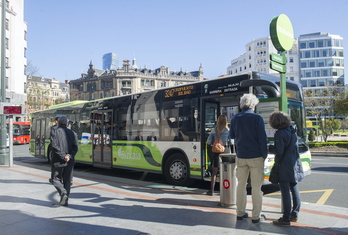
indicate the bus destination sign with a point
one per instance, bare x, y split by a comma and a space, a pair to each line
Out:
179, 91
218, 87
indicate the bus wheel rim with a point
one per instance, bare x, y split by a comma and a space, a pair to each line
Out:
178, 170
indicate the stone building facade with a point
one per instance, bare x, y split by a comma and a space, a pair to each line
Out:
42, 93
128, 79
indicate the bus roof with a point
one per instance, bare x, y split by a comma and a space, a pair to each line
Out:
68, 104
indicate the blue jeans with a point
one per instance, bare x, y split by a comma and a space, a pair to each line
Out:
285, 188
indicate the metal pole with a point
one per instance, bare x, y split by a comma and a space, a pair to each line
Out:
4, 154
284, 102
10, 134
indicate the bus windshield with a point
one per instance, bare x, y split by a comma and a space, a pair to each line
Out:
296, 112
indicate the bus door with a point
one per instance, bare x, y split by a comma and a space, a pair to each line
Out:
39, 137
210, 114
101, 137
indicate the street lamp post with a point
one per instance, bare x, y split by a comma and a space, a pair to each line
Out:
4, 152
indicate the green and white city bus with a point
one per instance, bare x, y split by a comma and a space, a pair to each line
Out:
179, 117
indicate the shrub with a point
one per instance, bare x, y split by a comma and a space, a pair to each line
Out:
343, 144
311, 135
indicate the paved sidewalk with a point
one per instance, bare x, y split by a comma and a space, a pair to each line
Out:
110, 205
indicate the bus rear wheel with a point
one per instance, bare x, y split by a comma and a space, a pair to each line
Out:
176, 170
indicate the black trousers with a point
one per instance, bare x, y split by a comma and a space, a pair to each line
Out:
62, 178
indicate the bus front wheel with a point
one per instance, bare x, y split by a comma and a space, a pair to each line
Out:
177, 170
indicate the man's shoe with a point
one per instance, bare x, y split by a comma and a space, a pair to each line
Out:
281, 222
255, 220
63, 200
242, 217
293, 218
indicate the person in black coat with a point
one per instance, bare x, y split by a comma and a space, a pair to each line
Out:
290, 170
64, 148
152, 137
139, 136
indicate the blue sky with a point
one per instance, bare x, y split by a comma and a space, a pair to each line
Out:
64, 36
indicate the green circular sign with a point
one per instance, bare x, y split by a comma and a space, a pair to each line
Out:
282, 33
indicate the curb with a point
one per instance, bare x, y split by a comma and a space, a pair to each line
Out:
329, 154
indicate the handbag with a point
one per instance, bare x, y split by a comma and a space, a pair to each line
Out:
274, 174
218, 146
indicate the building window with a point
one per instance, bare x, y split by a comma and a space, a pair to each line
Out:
312, 63
316, 72
325, 53
308, 73
320, 43
325, 72
7, 43
304, 83
126, 84
321, 63
106, 84
304, 64
337, 62
329, 62
340, 53
334, 72
303, 45
292, 78
291, 60
311, 44
92, 86
7, 24
333, 52
307, 54
316, 53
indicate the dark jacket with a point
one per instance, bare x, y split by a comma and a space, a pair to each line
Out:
149, 138
63, 141
290, 166
248, 130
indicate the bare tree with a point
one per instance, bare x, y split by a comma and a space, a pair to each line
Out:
31, 69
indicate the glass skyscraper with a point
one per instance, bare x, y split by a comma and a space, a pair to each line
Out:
110, 61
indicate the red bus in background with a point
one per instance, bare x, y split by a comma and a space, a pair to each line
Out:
21, 132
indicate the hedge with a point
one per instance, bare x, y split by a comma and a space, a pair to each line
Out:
343, 144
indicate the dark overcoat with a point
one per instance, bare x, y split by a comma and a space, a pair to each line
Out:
286, 147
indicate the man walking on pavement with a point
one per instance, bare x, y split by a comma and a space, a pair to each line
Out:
64, 148
248, 130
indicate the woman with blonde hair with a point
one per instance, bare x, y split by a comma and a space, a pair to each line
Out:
220, 131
